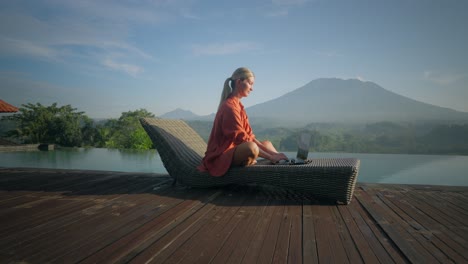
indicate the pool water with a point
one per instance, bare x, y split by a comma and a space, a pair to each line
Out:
375, 168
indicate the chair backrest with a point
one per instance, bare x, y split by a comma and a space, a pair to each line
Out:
176, 142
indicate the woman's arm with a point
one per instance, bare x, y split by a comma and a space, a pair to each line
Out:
269, 152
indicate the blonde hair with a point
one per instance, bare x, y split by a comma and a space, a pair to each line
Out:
241, 73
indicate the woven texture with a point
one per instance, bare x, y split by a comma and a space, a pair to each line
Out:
181, 150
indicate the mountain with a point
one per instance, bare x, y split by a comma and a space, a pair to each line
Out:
180, 114
331, 100
349, 101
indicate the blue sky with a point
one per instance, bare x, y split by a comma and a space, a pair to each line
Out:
107, 57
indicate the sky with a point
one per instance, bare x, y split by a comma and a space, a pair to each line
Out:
108, 57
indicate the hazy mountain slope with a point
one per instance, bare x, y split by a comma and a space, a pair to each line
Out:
337, 100
180, 114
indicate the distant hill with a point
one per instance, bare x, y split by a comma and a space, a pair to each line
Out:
349, 101
180, 114
334, 100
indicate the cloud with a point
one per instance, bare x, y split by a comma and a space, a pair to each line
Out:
442, 78
224, 48
362, 79
132, 70
115, 11
12, 47
78, 29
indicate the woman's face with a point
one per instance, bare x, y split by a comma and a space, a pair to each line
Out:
244, 87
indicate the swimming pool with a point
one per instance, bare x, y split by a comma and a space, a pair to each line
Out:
375, 168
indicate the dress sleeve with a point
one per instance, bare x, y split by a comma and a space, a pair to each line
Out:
234, 128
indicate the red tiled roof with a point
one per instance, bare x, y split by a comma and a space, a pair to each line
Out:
7, 108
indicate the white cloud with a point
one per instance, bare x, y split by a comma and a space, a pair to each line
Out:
85, 29
12, 47
442, 78
224, 48
132, 70
362, 79
116, 11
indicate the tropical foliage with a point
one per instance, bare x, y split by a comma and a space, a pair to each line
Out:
125, 132
64, 125
382, 137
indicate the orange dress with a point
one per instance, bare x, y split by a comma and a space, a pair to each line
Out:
230, 128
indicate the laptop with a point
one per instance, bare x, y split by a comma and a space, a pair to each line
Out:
303, 144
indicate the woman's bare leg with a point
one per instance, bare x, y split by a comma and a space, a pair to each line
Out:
245, 154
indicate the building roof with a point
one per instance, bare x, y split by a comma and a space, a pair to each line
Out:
7, 108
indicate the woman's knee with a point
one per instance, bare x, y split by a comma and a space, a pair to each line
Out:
251, 149
246, 154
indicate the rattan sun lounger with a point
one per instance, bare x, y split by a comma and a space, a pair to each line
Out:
181, 150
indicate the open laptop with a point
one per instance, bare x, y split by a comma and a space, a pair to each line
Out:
303, 145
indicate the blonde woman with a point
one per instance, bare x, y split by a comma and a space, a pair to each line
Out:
232, 142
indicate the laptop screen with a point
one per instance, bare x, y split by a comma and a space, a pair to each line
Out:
303, 144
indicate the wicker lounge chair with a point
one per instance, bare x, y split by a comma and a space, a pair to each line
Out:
181, 150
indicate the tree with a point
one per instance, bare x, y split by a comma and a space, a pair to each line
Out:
49, 124
126, 132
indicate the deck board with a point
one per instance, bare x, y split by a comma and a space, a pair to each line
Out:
72, 216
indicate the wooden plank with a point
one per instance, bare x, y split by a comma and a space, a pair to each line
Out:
49, 231
439, 244
395, 229
359, 217
441, 213
74, 232
390, 247
411, 226
280, 253
164, 247
145, 227
175, 223
41, 214
375, 236
243, 245
455, 204
269, 243
80, 216
295, 234
49, 221
309, 241
348, 243
173, 240
255, 245
361, 243
193, 248
246, 215
219, 239
107, 231
330, 248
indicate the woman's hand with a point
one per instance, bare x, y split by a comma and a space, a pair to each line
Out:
277, 157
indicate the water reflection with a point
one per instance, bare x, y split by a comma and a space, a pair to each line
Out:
376, 168
410, 169
86, 158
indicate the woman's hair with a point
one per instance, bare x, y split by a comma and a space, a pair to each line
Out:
240, 73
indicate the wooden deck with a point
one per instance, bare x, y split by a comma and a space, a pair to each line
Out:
65, 216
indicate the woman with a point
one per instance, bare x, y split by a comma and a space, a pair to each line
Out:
232, 142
